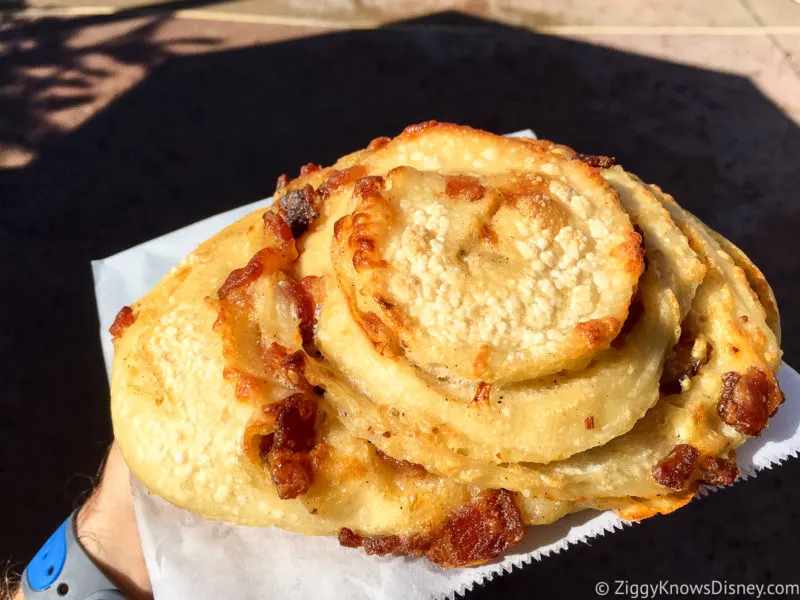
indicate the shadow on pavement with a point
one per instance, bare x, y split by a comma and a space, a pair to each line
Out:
202, 134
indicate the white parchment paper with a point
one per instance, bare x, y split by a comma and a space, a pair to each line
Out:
190, 557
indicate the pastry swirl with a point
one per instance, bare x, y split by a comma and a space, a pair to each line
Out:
448, 331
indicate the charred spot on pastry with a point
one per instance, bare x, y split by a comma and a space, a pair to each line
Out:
464, 188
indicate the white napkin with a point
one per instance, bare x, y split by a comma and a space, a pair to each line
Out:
190, 557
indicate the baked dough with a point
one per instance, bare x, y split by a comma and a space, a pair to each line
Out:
447, 332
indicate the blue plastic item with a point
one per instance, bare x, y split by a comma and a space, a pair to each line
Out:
46, 566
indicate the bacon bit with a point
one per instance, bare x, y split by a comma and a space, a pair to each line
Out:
482, 394
276, 231
675, 469
265, 443
294, 437
303, 305
474, 534
282, 182
681, 364
387, 434
595, 160
718, 471
337, 179
383, 545
749, 400
403, 466
487, 234
309, 168
350, 539
314, 288
378, 143
744, 319
478, 531
287, 368
299, 209
240, 277
464, 188
266, 260
588, 422
391, 544
124, 319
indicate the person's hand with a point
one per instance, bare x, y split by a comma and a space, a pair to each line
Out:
106, 527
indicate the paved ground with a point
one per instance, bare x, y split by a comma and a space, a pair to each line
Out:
122, 123
759, 39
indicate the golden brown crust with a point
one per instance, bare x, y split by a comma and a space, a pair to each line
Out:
296, 370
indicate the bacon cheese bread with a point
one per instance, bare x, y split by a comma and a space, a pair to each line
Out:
442, 339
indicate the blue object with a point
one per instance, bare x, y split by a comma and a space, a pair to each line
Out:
62, 570
48, 563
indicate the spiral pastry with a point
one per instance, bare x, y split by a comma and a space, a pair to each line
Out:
441, 339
